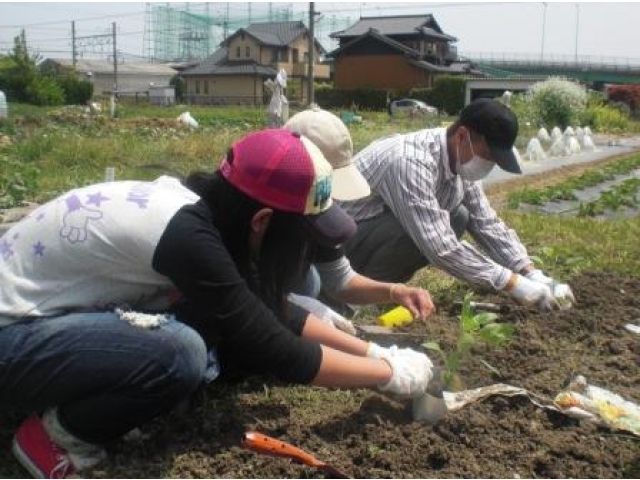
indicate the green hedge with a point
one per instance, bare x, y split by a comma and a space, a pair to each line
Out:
76, 91
447, 95
367, 99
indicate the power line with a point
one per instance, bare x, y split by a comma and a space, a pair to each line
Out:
55, 22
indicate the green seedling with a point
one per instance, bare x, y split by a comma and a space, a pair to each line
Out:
475, 329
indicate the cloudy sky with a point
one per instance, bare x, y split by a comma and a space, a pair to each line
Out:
553, 29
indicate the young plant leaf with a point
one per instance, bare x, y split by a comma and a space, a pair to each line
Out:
432, 346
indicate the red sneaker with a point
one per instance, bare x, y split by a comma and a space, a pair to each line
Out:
35, 450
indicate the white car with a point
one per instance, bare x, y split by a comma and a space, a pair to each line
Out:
410, 106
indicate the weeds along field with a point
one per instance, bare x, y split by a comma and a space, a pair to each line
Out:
361, 432
44, 152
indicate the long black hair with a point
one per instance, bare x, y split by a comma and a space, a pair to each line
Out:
287, 248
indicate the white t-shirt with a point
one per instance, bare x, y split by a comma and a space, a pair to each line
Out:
76, 252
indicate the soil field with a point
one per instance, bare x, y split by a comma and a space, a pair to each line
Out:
368, 435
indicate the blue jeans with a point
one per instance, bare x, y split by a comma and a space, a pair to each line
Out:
311, 284
105, 376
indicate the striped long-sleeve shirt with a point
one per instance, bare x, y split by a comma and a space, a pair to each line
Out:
410, 174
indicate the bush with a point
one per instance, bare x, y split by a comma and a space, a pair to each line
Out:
626, 94
605, 119
557, 102
45, 91
76, 91
18, 181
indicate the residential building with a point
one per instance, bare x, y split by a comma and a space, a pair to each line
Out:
133, 77
236, 72
395, 53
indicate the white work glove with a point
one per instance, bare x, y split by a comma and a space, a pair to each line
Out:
561, 291
533, 294
324, 313
376, 351
411, 372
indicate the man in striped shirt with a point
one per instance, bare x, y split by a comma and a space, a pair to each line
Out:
426, 192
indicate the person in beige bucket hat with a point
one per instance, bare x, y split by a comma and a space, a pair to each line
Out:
333, 139
331, 277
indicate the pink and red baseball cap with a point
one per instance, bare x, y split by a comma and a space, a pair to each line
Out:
287, 172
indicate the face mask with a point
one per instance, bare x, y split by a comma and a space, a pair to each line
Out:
475, 169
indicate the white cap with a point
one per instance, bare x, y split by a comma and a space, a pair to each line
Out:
332, 137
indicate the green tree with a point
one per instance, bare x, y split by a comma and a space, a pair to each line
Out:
17, 71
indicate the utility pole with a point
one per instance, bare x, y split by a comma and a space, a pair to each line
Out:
225, 31
115, 60
74, 53
23, 39
577, 30
544, 24
310, 55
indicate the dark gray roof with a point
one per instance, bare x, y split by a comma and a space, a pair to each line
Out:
276, 34
375, 34
393, 25
205, 66
219, 64
430, 32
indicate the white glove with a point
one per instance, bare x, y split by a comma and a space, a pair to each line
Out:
533, 294
324, 313
539, 276
411, 372
561, 291
376, 351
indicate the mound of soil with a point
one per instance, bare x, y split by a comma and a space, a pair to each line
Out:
369, 435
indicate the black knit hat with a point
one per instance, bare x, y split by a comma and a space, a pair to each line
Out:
499, 127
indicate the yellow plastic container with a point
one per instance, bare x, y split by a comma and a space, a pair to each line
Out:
396, 317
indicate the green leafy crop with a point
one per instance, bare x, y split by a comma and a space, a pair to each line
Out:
475, 329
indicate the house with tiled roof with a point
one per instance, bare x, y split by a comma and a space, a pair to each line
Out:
396, 52
236, 72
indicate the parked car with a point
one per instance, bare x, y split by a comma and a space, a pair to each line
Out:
410, 106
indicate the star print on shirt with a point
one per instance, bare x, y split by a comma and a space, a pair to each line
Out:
38, 249
96, 199
73, 203
5, 249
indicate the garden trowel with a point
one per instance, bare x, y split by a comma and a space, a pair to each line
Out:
271, 446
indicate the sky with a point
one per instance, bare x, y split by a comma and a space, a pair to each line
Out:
591, 30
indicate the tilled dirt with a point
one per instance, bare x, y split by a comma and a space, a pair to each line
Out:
369, 435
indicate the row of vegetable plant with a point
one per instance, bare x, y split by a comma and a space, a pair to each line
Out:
565, 190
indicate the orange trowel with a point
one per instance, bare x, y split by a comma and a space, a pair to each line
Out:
271, 446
